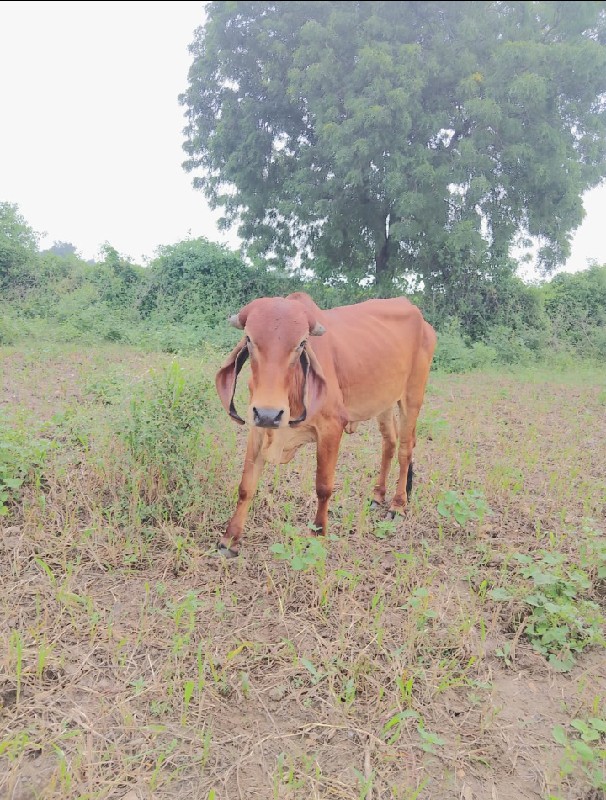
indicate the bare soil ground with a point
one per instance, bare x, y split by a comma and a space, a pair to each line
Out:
134, 663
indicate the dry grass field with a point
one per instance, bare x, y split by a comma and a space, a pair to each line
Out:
454, 654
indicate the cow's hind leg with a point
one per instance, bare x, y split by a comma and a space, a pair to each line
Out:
409, 413
387, 426
229, 545
410, 405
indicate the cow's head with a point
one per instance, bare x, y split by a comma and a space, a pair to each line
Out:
287, 385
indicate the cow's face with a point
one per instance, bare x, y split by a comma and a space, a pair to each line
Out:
286, 384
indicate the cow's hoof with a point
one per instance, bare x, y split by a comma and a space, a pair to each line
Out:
394, 513
374, 505
226, 552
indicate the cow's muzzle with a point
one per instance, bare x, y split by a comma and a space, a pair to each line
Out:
267, 417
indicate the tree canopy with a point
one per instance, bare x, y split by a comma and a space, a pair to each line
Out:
381, 140
18, 244
62, 249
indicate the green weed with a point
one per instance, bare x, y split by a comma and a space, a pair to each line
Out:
22, 458
584, 749
471, 506
301, 553
561, 622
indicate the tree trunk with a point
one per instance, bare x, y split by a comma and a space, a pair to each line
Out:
383, 274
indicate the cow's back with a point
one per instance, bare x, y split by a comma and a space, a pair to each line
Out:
373, 348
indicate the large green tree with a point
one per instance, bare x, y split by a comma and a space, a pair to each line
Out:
381, 139
18, 247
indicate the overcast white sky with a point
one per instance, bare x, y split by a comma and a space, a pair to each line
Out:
91, 129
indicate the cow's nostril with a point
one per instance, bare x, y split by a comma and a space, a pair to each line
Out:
267, 417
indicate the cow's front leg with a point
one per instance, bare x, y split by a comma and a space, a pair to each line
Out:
327, 454
229, 545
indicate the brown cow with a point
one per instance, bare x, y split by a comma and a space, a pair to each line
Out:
365, 359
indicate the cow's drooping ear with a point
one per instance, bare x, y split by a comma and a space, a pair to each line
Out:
226, 379
315, 388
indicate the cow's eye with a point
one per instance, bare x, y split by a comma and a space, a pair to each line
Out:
302, 345
248, 340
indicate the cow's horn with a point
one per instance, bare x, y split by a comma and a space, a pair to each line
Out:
317, 330
234, 320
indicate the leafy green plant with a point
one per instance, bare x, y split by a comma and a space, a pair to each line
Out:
561, 622
302, 553
22, 457
392, 730
385, 528
592, 552
585, 749
316, 675
165, 435
184, 618
429, 740
365, 783
418, 603
456, 354
471, 506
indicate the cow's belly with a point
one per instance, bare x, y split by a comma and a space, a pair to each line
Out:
368, 402
280, 446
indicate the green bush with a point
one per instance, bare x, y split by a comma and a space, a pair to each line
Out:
8, 329
454, 354
166, 433
509, 346
199, 282
484, 315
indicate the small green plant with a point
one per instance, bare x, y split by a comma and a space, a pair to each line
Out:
385, 528
561, 622
184, 618
44, 651
429, 740
13, 746
504, 653
302, 553
365, 783
245, 684
592, 551
22, 458
418, 603
206, 738
316, 675
393, 728
471, 506
188, 692
584, 750
16, 654
348, 692
405, 685
287, 775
